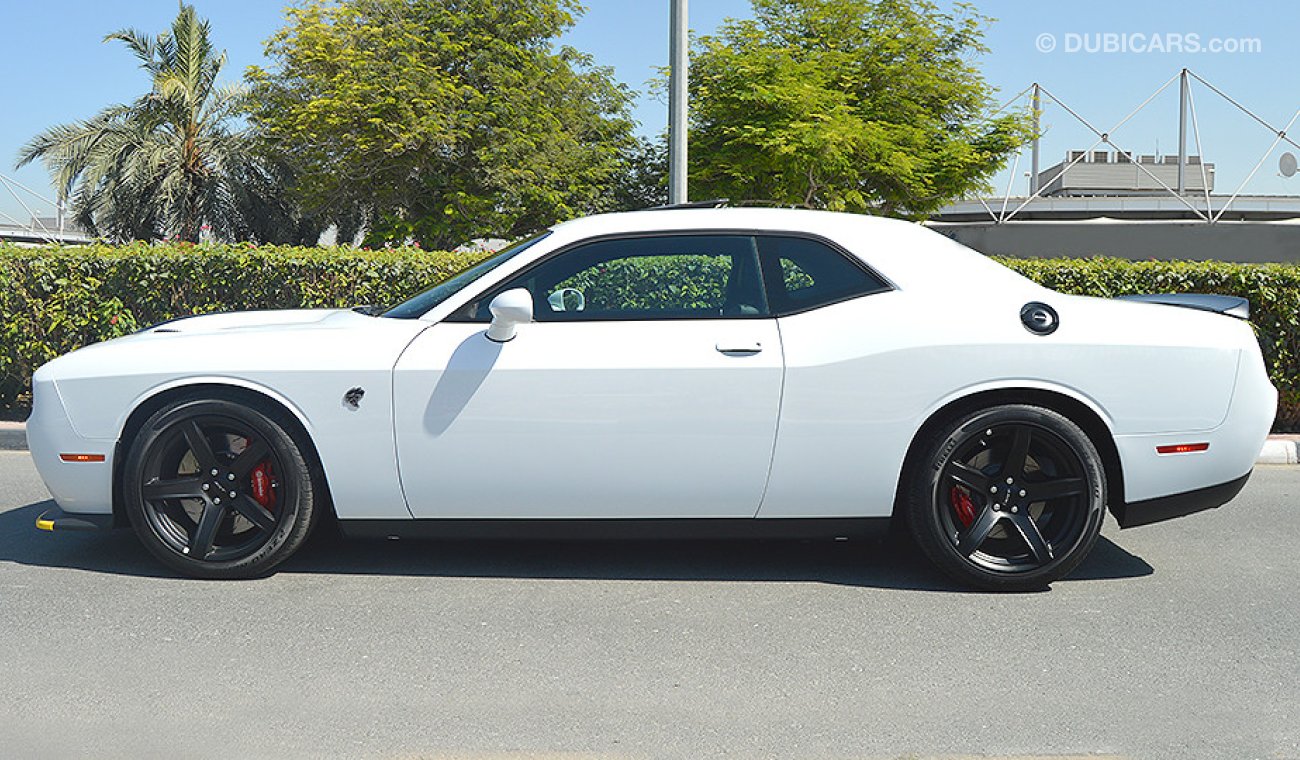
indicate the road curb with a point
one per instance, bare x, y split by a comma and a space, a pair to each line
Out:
1277, 449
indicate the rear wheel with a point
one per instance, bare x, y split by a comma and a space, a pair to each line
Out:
218, 489
1007, 498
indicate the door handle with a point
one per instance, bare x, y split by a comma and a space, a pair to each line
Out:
740, 349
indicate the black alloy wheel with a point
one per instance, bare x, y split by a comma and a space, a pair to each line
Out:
1008, 498
218, 489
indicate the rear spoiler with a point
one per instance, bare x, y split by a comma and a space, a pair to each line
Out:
1232, 306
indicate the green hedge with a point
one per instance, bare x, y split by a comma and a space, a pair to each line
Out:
53, 300
700, 284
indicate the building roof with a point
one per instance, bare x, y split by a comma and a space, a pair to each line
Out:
1102, 172
1162, 206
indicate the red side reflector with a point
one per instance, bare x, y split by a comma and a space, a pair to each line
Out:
82, 457
1182, 448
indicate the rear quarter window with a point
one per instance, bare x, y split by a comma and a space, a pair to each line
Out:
804, 274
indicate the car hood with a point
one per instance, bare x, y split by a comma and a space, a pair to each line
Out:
272, 352
256, 320
242, 343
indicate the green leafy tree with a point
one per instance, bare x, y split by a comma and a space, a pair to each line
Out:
642, 177
442, 121
174, 163
853, 105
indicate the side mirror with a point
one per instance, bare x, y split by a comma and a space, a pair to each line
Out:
509, 310
567, 299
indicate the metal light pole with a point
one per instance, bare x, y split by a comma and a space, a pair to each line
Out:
678, 55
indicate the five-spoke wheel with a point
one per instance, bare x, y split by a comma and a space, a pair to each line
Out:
1007, 498
218, 489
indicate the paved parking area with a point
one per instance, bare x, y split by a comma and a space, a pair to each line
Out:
1172, 641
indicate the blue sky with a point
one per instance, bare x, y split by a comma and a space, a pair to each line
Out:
53, 67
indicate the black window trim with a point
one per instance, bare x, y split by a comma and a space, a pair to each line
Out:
888, 285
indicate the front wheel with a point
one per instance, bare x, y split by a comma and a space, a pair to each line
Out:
218, 489
1009, 498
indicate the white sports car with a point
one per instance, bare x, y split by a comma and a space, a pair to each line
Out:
680, 372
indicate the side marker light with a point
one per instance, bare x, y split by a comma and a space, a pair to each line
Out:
1182, 448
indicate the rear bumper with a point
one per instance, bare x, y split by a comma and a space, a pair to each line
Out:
1168, 507
1232, 446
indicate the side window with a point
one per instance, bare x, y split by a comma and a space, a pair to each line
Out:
663, 277
803, 274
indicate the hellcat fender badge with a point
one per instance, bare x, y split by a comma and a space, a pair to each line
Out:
352, 399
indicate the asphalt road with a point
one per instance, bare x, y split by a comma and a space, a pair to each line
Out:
1172, 641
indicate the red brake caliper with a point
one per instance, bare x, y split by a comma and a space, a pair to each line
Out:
261, 485
961, 502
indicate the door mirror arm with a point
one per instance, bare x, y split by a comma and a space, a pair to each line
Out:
509, 310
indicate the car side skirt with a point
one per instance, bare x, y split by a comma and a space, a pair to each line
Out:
1177, 505
621, 530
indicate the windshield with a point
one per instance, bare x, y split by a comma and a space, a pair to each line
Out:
416, 307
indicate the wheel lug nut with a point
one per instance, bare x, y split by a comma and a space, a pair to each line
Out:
1022, 492
993, 489
214, 472
217, 500
233, 494
1010, 481
997, 507
205, 486
1015, 510
231, 476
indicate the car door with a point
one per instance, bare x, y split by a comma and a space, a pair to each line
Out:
844, 425
648, 386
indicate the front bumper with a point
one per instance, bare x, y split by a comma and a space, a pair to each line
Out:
1168, 507
58, 520
79, 485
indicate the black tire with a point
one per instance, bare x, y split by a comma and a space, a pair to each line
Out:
181, 470
1008, 498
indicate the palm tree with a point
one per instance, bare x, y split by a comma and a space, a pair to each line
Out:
173, 163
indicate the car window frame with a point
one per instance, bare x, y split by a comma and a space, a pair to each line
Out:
458, 316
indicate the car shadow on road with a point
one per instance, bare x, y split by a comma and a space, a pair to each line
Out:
886, 565
111, 551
